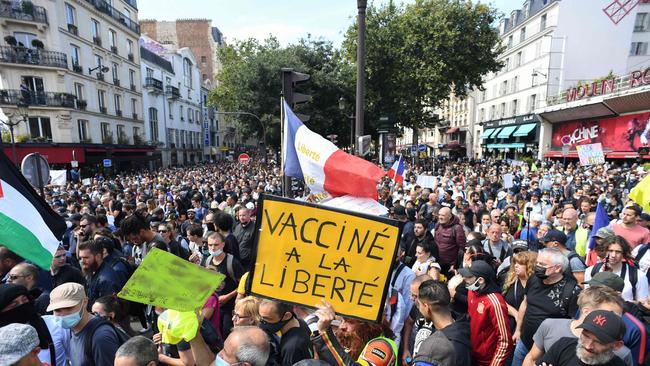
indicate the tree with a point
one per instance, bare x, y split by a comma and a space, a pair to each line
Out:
250, 81
416, 55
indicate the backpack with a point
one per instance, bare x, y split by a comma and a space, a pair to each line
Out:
229, 267
568, 272
88, 341
118, 258
634, 275
567, 291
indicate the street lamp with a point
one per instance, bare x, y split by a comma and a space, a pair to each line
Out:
22, 112
351, 117
258, 120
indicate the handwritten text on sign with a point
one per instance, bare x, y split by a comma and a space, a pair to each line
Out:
591, 154
306, 253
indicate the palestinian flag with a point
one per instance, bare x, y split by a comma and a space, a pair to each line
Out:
28, 226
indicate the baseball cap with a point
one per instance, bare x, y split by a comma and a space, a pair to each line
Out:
479, 268
250, 205
379, 352
191, 210
214, 205
66, 295
519, 246
501, 195
399, 211
10, 291
604, 233
554, 235
608, 279
605, 325
16, 342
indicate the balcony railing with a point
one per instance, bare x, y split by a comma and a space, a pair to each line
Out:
118, 113
78, 69
114, 49
73, 29
132, 87
102, 110
31, 13
133, 3
97, 41
42, 98
172, 92
135, 116
130, 56
154, 84
116, 82
100, 76
107, 9
30, 56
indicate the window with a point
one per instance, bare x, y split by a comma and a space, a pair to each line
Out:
153, 123
129, 46
118, 104
70, 14
127, 13
168, 80
197, 117
526, 9
107, 134
101, 98
532, 100
639, 49
39, 127
112, 38
79, 91
492, 111
94, 28
24, 39
502, 110
506, 64
136, 132
74, 55
187, 72
121, 133
177, 133
205, 76
204, 60
134, 105
132, 77
82, 126
510, 41
513, 107
538, 49
515, 84
522, 34
481, 115
504, 88
518, 59
116, 72
189, 115
181, 113
542, 22
98, 60
640, 24
171, 110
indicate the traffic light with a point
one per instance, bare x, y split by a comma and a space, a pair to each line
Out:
290, 79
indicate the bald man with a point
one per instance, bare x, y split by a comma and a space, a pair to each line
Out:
449, 237
570, 226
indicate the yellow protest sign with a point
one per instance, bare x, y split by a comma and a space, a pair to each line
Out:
163, 279
305, 253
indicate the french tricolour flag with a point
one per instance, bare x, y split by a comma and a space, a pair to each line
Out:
601, 220
322, 166
396, 172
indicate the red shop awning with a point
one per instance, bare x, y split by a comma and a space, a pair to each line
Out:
53, 154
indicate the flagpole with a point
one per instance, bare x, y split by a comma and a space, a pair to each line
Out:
283, 141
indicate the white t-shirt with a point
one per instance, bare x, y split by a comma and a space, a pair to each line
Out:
641, 284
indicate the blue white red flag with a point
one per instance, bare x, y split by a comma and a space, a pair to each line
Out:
396, 172
601, 220
322, 166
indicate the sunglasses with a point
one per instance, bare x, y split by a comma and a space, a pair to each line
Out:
163, 231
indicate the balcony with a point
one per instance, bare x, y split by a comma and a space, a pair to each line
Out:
73, 29
29, 13
37, 98
116, 82
107, 9
131, 57
78, 69
133, 87
30, 56
135, 116
81, 104
172, 92
153, 85
123, 139
114, 49
97, 41
100, 76
118, 113
102, 110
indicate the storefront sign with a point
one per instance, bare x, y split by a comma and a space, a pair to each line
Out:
591, 154
206, 127
634, 79
623, 133
510, 121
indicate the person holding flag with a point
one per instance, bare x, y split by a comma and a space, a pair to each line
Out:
600, 221
396, 172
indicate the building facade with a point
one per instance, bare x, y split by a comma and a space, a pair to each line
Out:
75, 63
172, 102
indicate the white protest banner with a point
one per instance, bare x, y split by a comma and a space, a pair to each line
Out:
58, 177
591, 154
86, 181
357, 204
507, 180
426, 181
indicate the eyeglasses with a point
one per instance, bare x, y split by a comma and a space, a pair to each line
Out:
83, 226
236, 317
163, 231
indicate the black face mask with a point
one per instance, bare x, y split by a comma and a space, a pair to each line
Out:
20, 314
540, 272
272, 328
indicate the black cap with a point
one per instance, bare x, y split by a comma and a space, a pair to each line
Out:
605, 325
555, 235
10, 291
399, 211
478, 269
76, 217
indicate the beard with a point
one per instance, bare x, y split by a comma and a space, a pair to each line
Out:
351, 342
598, 359
90, 270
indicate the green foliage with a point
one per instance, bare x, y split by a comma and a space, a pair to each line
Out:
23, 138
6, 136
416, 55
250, 81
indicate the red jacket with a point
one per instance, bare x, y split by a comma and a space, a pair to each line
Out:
489, 329
450, 239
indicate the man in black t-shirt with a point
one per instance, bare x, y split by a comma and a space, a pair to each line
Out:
548, 294
294, 343
602, 333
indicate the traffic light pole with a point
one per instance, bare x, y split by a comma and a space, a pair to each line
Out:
361, 71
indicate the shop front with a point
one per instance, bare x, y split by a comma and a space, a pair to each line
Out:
511, 138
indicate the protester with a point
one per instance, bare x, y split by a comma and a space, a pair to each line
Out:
19, 345
276, 317
137, 351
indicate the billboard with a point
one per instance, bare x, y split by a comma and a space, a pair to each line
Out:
622, 133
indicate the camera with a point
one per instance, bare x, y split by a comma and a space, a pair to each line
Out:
529, 209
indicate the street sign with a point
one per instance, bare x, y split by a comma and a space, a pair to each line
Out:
414, 148
108, 163
36, 170
565, 150
244, 158
422, 147
363, 145
74, 164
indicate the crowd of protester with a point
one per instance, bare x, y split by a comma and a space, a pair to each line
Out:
494, 267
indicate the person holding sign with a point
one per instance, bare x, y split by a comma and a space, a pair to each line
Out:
276, 316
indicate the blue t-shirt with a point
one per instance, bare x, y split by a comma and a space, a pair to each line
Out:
104, 345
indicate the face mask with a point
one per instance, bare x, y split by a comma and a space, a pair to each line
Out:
20, 314
216, 253
474, 287
272, 328
68, 321
540, 272
220, 361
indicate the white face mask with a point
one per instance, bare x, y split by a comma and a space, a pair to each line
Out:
474, 287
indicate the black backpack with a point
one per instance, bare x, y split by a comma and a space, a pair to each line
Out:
634, 275
88, 340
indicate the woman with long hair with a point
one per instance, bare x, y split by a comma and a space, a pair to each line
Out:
523, 266
116, 311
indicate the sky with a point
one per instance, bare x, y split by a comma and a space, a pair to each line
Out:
288, 20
